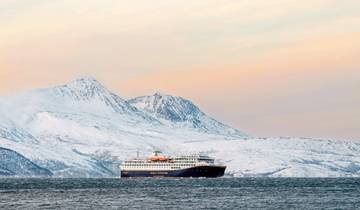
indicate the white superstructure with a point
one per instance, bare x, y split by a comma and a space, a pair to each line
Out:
158, 162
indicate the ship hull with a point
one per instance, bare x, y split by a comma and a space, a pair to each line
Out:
198, 171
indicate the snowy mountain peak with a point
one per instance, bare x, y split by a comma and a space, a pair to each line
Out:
86, 93
172, 108
159, 94
181, 112
84, 87
87, 81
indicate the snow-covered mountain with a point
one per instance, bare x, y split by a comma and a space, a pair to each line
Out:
81, 129
180, 112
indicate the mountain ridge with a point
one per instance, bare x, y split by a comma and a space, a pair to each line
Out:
178, 110
81, 129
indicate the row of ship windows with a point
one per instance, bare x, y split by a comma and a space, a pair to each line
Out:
152, 165
175, 163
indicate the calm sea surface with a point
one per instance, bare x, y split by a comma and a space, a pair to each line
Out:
223, 193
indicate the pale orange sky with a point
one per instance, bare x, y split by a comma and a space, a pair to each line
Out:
269, 68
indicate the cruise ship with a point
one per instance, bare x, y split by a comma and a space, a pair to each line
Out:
158, 165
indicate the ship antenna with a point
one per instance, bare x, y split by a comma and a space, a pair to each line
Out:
137, 154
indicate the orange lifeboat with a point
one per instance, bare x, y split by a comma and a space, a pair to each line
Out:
157, 157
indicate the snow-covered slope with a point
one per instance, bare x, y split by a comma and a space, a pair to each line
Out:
180, 112
83, 130
14, 164
284, 157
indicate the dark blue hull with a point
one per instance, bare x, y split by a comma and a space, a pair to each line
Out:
198, 171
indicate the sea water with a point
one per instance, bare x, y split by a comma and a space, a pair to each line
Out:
220, 193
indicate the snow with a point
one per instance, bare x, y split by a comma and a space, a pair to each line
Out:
81, 129
182, 113
14, 164
285, 157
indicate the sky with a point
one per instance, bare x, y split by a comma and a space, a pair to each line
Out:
266, 67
